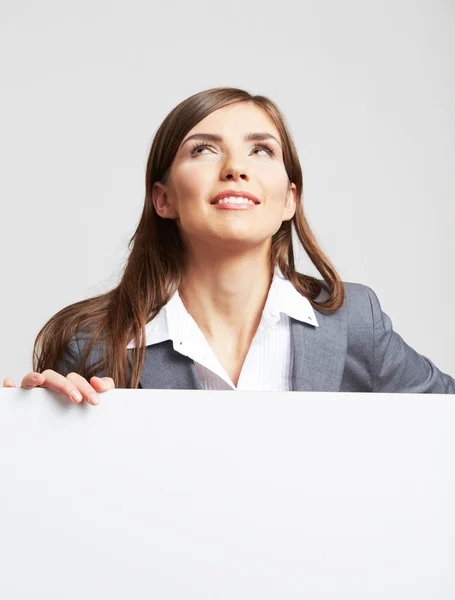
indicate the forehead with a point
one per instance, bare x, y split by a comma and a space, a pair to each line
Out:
235, 119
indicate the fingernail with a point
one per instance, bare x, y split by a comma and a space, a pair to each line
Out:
94, 399
76, 396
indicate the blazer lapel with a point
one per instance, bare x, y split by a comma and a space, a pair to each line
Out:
166, 369
320, 352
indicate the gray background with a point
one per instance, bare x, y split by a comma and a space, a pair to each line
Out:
367, 88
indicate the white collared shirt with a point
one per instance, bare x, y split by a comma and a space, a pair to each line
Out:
268, 364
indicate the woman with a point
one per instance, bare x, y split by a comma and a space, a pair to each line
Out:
210, 298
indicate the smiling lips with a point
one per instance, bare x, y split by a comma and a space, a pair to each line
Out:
232, 199
239, 205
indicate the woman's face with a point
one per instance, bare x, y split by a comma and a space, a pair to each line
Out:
202, 168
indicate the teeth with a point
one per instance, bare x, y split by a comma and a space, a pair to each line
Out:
235, 200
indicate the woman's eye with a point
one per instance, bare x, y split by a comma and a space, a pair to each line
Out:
196, 149
264, 147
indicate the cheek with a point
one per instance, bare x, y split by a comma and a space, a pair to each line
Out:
272, 175
191, 181
276, 187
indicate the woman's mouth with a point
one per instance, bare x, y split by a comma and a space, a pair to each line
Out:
233, 203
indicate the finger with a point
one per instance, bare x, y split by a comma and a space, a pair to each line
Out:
89, 393
102, 384
8, 383
32, 380
58, 383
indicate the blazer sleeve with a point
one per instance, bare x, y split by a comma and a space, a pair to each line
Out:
72, 356
397, 366
71, 359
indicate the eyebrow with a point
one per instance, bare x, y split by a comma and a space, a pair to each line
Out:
248, 137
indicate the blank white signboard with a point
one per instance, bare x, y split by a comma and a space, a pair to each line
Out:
165, 494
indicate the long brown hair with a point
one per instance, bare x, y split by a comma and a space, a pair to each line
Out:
155, 267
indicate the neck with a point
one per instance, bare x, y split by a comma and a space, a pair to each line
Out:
226, 295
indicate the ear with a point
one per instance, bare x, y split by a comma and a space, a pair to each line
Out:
291, 203
161, 201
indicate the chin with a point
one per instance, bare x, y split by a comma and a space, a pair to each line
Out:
241, 238
238, 243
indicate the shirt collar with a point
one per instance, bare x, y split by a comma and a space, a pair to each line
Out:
175, 323
284, 298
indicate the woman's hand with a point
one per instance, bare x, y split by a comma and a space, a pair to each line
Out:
73, 386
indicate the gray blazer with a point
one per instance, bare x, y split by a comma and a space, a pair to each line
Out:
354, 349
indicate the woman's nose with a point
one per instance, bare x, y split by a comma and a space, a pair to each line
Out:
236, 175
234, 171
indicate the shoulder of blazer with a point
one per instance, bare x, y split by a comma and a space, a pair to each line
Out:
356, 294
355, 314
